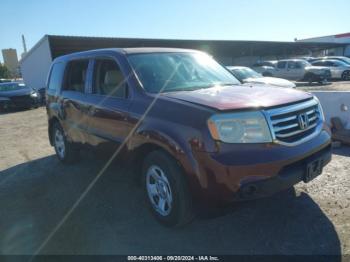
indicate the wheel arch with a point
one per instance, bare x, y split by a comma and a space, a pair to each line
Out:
145, 142
51, 123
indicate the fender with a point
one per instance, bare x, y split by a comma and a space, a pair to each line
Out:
177, 144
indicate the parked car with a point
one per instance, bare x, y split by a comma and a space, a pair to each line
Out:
42, 92
339, 69
193, 133
340, 58
18, 95
301, 70
266, 68
247, 75
308, 58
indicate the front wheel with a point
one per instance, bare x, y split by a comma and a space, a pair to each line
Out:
166, 190
66, 151
309, 77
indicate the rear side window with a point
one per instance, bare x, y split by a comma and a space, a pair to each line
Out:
76, 75
56, 76
108, 79
318, 63
281, 64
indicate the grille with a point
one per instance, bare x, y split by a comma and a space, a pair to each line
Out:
21, 100
294, 124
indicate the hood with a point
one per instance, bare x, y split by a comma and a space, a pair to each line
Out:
274, 81
240, 96
19, 92
316, 68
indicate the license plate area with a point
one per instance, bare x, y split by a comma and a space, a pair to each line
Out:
313, 169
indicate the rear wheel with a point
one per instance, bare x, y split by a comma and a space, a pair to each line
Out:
66, 151
166, 190
345, 76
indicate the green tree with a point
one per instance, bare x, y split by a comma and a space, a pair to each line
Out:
4, 72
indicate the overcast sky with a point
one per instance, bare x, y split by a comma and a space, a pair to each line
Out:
273, 20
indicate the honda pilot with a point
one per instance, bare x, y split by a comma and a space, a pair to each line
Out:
195, 134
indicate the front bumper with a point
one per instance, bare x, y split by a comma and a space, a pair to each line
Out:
321, 77
230, 174
286, 178
19, 102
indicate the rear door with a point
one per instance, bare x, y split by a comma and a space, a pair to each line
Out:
54, 85
281, 70
109, 102
73, 100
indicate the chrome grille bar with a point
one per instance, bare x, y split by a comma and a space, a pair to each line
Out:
296, 132
285, 126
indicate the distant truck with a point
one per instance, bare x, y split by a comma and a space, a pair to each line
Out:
297, 70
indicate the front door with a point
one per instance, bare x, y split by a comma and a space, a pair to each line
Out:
295, 70
109, 103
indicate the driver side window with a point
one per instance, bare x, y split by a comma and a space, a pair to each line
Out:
108, 80
281, 65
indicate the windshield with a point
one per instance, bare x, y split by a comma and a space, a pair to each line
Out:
167, 72
244, 73
304, 63
11, 86
346, 60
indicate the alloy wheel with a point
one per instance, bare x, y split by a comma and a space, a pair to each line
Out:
159, 190
59, 143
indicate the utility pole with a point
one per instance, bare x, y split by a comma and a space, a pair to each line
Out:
24, 44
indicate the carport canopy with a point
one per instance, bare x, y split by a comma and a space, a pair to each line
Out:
61, 45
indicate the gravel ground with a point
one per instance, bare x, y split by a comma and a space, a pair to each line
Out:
330, 86
36, 191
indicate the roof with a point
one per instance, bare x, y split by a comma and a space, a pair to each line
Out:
326, 36
141, 50
294, 59
135, 50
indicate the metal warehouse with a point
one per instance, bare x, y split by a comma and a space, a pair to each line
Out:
36, 63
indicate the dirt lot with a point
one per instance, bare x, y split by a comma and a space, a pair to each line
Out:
36, 191
330, 86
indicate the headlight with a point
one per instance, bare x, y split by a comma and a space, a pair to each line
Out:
34, 94
320, 109
247, 127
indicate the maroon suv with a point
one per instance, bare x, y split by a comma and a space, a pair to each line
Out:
195, 133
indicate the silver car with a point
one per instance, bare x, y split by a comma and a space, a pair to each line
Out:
339, 69
247, 75
266, 68
301, 70
340, 58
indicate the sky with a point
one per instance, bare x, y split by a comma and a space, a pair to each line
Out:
273, 20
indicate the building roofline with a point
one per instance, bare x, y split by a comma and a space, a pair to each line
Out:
181, 40
45, 37
336, 36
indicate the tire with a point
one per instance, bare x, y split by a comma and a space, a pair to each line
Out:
345, 76
164, 183
309, 78
66, 151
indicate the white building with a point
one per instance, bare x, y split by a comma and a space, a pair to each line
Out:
337, 39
